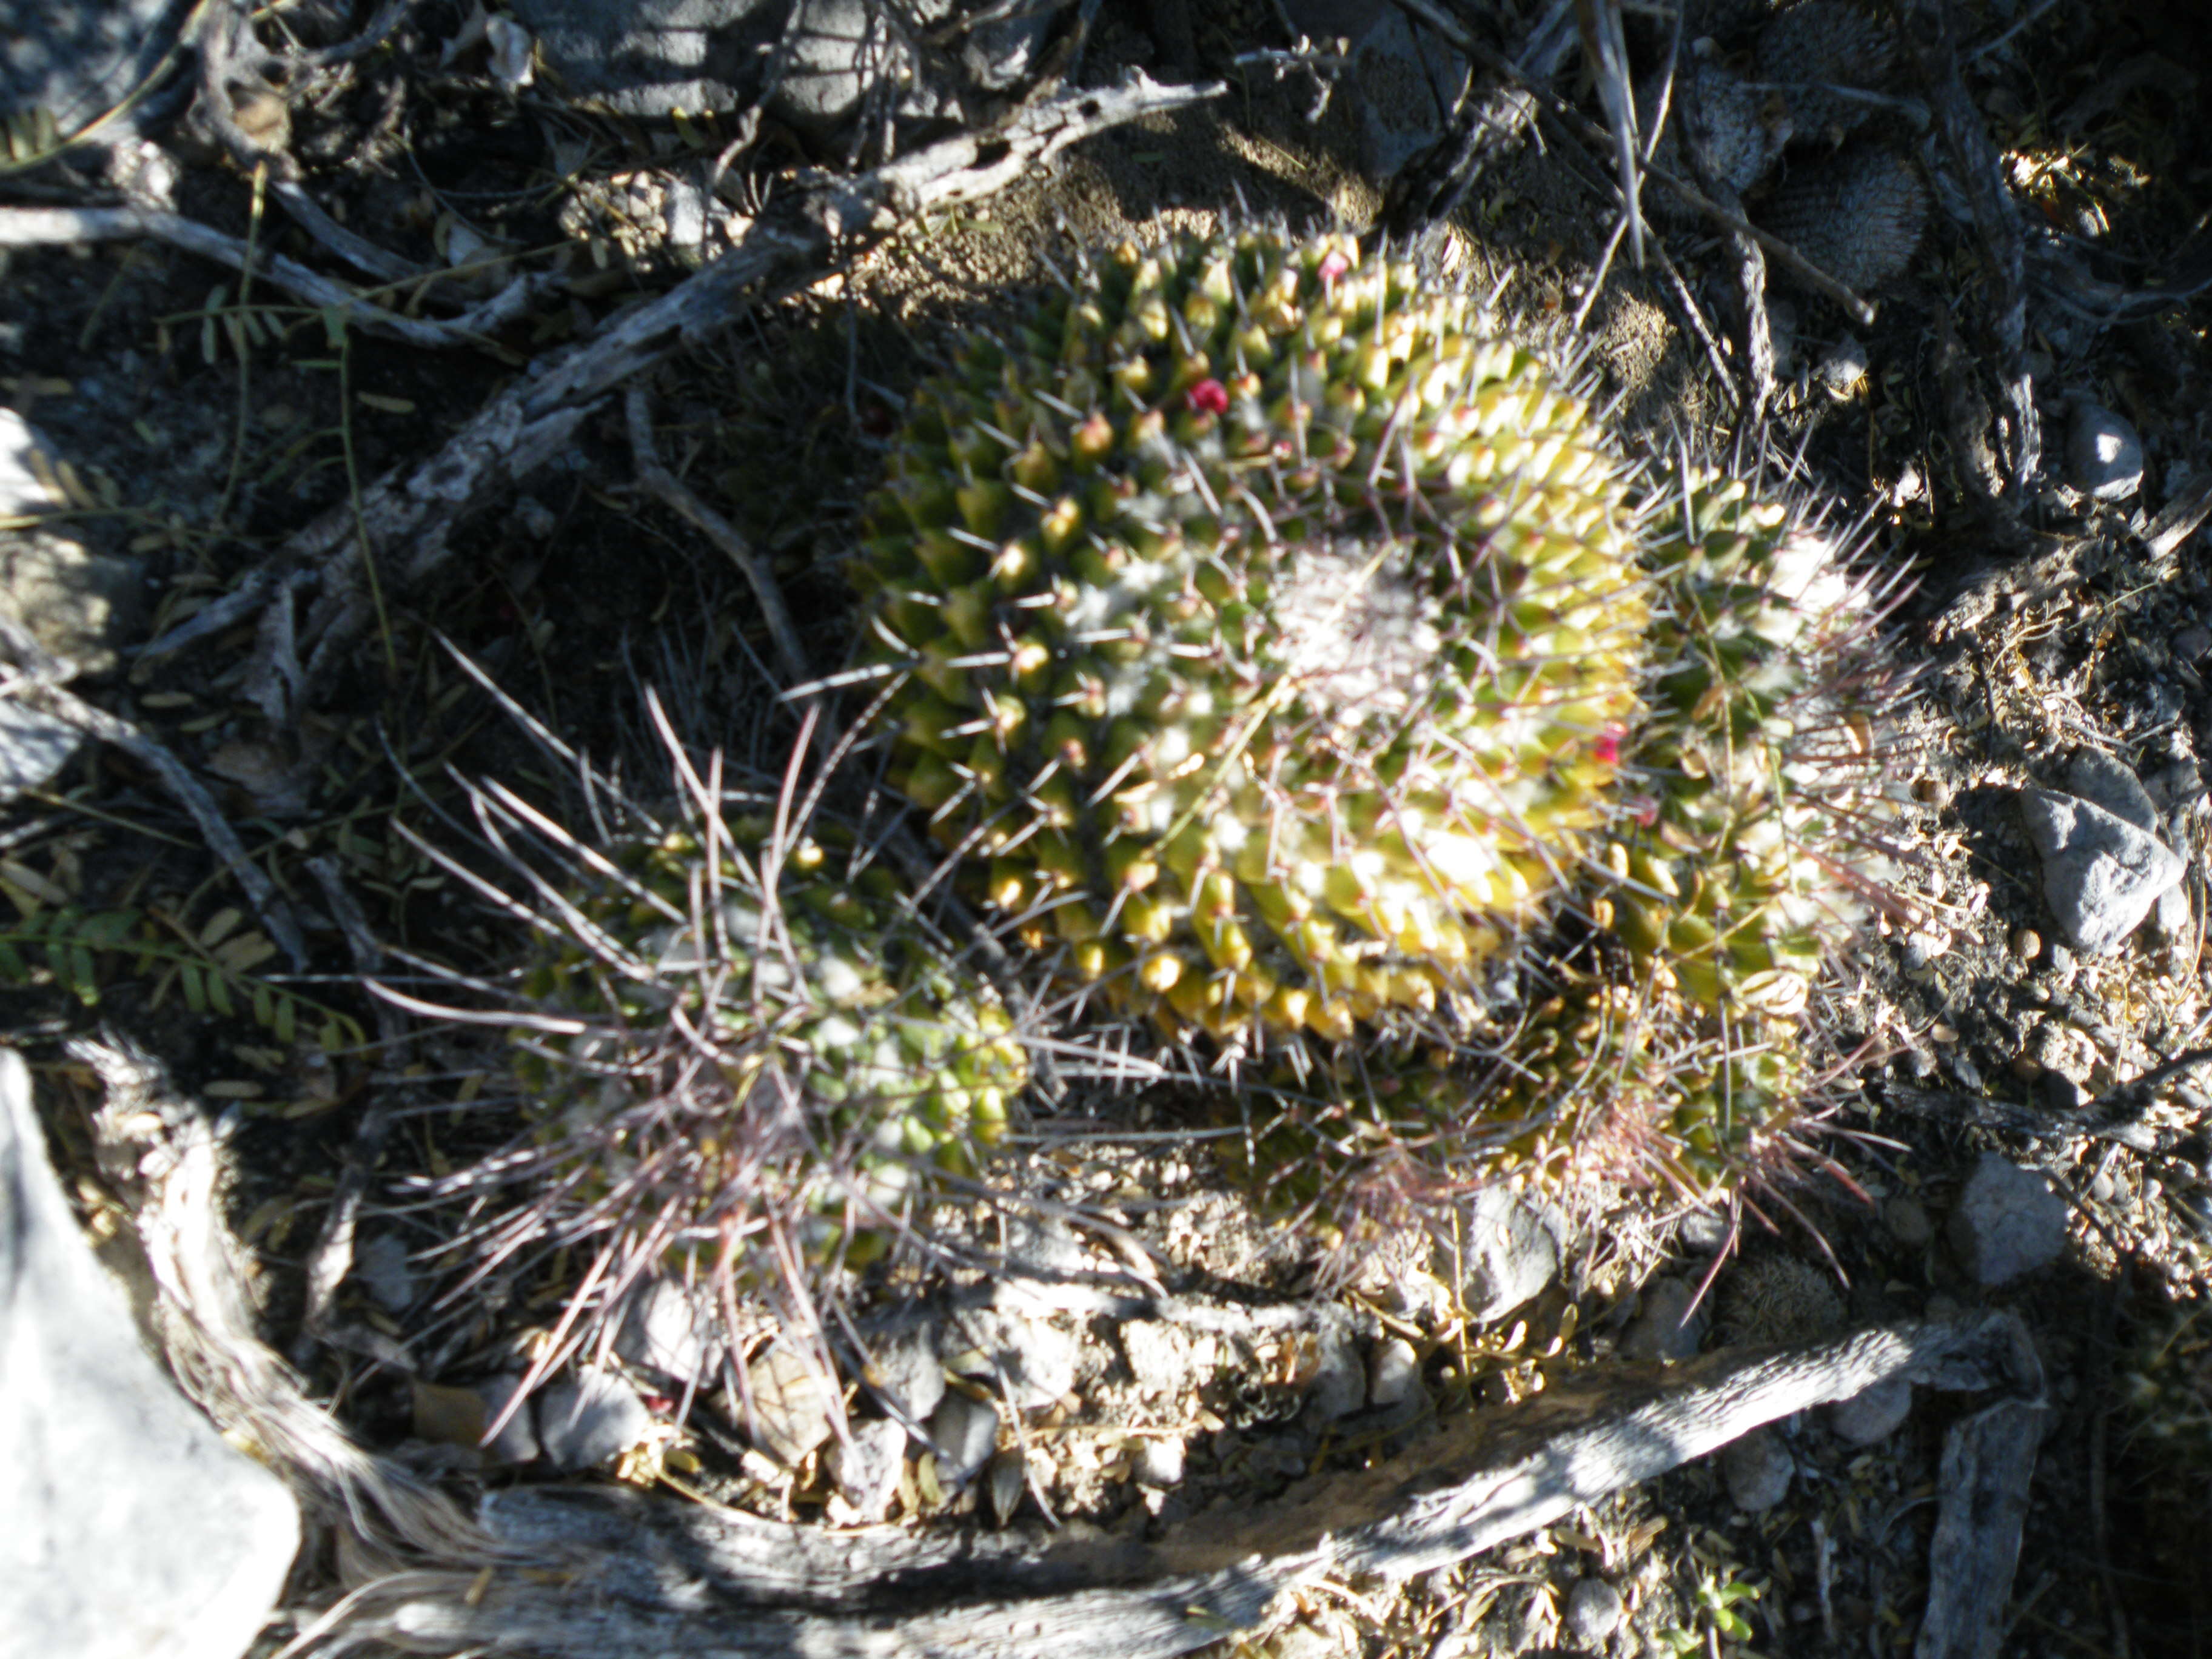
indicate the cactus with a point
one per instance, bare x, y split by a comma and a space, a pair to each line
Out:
1858, 215
739, 1051
1261, 627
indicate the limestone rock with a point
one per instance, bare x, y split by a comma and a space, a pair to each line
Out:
131, 1530
2009, 1222
2102, 874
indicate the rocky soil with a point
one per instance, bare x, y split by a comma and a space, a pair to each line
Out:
2017, 1122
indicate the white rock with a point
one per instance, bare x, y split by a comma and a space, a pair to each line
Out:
965, 1433
129, 1528
789, 1401
27, 469
1757, 1470
2104, 456
865, 1467
33, 747
1593, 1611
670, 1330
1393, 1373
1873, 1414
1160, 1462
2009, 1222
588, 1419
2102, 874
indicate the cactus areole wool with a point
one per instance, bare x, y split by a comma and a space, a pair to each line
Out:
1260, 626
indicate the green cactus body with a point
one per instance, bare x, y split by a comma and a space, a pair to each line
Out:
827, 1054
1262, 627
1662, 1033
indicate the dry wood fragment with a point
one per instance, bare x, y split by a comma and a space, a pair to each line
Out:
640, 1578
821, 228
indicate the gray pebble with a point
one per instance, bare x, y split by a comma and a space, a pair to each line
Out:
517, 1439
1757, 1470
590, 1418
2102, 1187
381, 1264
790, 1401
1908, 1221
904, 1370
1393, 1373
1338, 1387
2102, 874
1665, 1328
1874, 1413
2104, 456
2192, 643
2009, 1222
1593, 1611
866, 1465
966, 1433
1506, 1254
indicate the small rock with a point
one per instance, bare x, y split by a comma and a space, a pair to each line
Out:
1393, 1373
28, 465
965, 1433
1704, 1230
33, 747
2026, 943
1908, 1221
865, 1465
2173, 920
1338, 1384
2103, 1187
131, 1528
905, 1372
2112, 783
1033, 1359
2104, 456
1923, 947
1593, 1611
1666, 1326
2009, 1222
1844, 365
2192, 644
589, 1419
2102, 874
380, 1264
669, 1330
1874, 1413
1757, 1470
1506, 1254
1160, 1462
516, 1441
1968, 1073
78, 604
788, 1402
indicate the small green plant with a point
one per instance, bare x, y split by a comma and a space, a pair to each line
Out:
1714, 1605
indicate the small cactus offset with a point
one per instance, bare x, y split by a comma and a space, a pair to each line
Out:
1262, 627
741, 1054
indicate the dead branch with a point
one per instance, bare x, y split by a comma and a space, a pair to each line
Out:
22, 226
657, 478
640, 1578
825, 226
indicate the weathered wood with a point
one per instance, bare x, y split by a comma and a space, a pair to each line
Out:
639, 1577
827, 225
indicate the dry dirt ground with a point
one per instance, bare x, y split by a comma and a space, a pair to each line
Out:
205, 421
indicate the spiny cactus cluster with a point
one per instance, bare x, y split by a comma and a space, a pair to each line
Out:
1262, 624
1285, 656
744, 1056
1290, 658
